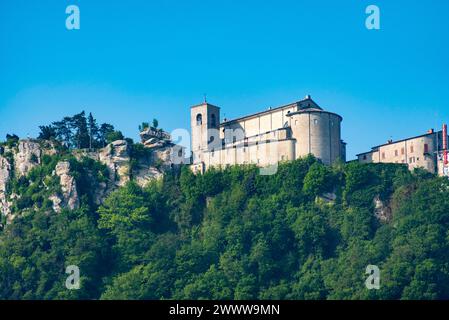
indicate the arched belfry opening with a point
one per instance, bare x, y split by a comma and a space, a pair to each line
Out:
213, 120
199, 119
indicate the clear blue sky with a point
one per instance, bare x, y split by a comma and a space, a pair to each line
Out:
137, 60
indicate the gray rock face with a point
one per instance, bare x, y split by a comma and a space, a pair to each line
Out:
144, 176
155, 138
69, 198
116, 156
381, 210
28, 156
5, 176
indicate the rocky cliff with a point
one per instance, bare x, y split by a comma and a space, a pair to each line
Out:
27, 157
5, 174
122, 166
69, 197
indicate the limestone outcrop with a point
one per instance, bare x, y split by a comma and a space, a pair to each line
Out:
5, 176
155, 138
19, 160
69, 197
382, 210
116, 156
27, 157
144, 176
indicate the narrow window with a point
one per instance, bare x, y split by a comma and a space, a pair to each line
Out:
426, 148
396, 153
411, 149
213, 120
383, 155
199, 119
402, 151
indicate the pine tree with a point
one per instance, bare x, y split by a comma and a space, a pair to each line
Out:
63, 131
105, 130
93, 130
79, 124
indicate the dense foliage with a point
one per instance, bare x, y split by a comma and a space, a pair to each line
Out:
80, 132
235, 234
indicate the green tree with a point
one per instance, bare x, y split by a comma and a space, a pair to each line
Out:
47, 133
93, 130
127, 215
319, 179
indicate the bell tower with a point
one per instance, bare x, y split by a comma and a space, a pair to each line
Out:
205, 124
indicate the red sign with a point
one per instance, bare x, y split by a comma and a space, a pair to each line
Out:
445, 144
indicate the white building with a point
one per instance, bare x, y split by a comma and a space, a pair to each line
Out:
278, 134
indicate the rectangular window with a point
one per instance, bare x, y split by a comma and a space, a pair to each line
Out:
364, 157
402, 151
411, 149
426, 148
383, 155
396, 153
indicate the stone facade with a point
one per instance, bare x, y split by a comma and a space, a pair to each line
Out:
265, 138
424, 151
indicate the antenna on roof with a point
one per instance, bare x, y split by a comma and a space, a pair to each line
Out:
205, 98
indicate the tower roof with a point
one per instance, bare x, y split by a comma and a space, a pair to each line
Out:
204, 104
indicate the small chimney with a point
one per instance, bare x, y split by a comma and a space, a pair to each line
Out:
390, 141
430, 131
308, 97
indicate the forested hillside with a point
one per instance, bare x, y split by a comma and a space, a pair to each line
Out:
233, 234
